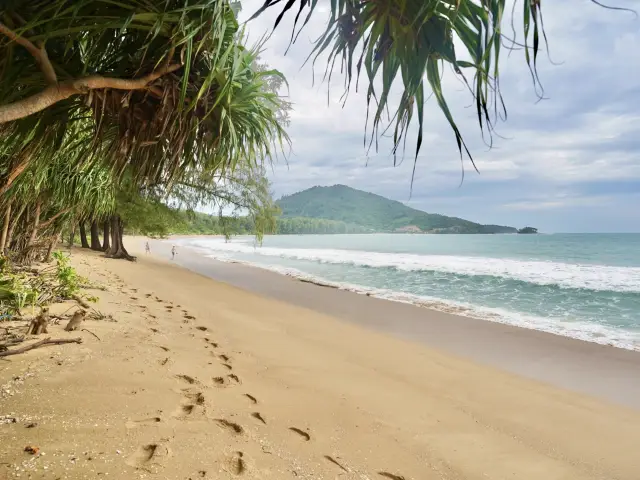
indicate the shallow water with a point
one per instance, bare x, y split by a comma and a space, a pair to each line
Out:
585, 286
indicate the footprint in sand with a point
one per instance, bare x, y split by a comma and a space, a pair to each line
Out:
143, 422
392, 476
166, 349
146, 455
221, 381
236, 463
164, 361
230, 426
186, 378
183, 411
194, 397
227, 366
336, 463
302, 433
189, 317
224, 358
258, 416
202, 329
253, 399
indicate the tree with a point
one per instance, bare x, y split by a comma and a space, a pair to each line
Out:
414, 39
155, 92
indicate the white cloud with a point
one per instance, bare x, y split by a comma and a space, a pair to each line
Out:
587, 132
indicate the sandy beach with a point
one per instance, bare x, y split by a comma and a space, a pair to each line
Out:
197, 378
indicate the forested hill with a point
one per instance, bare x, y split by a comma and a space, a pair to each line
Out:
369, 212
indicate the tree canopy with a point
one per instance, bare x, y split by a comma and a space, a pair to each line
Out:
158, 99
412, 41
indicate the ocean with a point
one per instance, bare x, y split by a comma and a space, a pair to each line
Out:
585, 286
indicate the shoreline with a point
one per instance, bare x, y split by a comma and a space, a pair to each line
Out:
560, 360
602, 333
196, 378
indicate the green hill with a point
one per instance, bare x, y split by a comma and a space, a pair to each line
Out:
364, 211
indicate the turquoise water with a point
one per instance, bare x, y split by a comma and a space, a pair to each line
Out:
581, 285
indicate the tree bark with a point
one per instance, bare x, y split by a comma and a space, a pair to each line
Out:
5, 229
13, 225
36, 223
83, 236
52, 244
106, 227
63, 90
117, 249
95, 237
72, 234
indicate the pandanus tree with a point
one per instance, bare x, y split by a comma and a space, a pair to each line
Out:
159, 87
410, 42
47, 196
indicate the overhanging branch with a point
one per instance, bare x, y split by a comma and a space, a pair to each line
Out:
39, 54
56, 93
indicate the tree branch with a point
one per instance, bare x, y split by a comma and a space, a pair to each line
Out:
39, 54
14, 174
46, 341
52, 219
56, 93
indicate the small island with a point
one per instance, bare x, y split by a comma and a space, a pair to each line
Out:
528, 230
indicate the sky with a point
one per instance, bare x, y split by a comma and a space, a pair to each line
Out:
568, 163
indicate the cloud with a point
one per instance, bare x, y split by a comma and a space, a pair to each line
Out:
548, 164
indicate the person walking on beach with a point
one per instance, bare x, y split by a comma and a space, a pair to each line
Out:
173, 252
147, 248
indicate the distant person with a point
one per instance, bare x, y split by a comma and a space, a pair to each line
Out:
147, 248
173, 252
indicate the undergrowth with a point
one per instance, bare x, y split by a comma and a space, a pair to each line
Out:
22, 287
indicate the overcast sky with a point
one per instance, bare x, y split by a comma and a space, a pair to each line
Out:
567, 164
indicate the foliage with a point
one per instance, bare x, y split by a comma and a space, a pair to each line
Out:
373, 212
16, 291
528, 230
156, 86
21, 287
307, 225
68, 280
115, 110
415, 40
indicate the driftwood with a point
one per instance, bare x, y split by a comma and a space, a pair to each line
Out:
81, 301
41, 343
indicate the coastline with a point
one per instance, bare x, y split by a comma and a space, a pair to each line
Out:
201, 379
556, 359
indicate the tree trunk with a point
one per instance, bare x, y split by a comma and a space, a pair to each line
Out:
36, 222
117, 249
72, 235
106, 229
13, 225
83, 236
5, 229
95, 237
52, 244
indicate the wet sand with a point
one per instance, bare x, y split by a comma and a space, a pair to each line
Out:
599, 370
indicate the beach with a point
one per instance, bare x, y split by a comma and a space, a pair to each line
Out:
257, 375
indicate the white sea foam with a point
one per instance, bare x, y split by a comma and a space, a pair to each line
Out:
586, 331
564, 275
